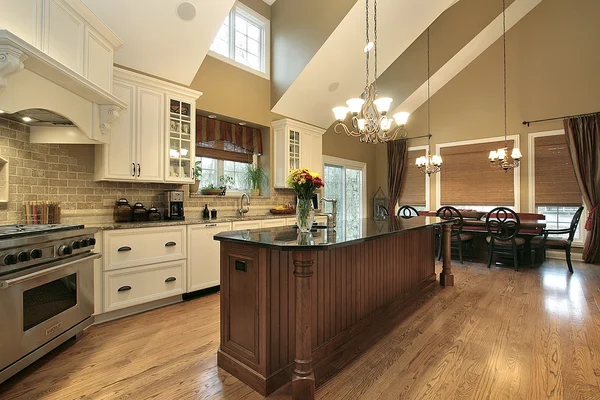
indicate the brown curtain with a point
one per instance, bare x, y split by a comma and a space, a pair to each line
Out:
583, 139
397, 159
413, 182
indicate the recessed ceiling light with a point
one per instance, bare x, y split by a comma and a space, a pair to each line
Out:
27, 119
334, 86
242, 123
368, 47
186, 11
1, 111
212, 116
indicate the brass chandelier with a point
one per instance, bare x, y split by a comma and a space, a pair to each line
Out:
370, 120
499, 158
429, 164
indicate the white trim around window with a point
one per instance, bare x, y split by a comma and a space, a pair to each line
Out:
352, 165
426, 177
531, 180
517, 176
265, 43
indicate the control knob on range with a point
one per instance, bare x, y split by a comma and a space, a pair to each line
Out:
36, 253
75, 244
64, 250
23, 256
10, 259
91, 241
84, 242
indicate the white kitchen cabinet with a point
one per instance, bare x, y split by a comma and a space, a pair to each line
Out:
134, 286
141, 143
273, 223
245, 225
204, 254
296, 145
67, 31
320, 219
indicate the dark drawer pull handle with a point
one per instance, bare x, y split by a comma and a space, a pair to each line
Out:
170, 244
124, 288
170, 279
124, 248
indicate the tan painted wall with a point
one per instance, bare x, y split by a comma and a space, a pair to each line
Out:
553, 63
298, 29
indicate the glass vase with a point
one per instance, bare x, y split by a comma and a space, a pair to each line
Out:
305, 214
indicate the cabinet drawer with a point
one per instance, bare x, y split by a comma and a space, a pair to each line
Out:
273, 223
132, 247
133, 286
243, 225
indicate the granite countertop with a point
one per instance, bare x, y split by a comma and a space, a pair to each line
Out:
151, 224
287, 238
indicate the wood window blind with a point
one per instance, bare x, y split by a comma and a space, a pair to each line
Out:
222, 150
467, 178
555, 181
413, 182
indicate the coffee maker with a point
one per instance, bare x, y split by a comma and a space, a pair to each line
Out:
175, 205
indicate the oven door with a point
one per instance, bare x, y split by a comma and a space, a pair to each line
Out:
39, 304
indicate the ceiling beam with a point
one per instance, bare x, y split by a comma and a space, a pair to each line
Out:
514, 13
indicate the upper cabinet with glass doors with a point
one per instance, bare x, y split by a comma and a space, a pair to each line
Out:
181, 141
297, 145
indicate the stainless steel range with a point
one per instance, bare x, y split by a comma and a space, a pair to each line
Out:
46, 290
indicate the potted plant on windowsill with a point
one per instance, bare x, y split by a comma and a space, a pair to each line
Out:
255, 178
197, 175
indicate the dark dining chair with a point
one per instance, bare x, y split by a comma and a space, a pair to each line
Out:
503, 226
544, 242
407, 212
458, 237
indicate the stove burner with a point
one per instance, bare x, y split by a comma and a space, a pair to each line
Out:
11, 231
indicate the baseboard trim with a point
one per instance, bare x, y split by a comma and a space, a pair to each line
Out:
560, 255
126, 312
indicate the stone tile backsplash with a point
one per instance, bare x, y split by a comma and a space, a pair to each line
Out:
65, 174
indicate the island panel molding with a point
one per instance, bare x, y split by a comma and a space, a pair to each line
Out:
286, 314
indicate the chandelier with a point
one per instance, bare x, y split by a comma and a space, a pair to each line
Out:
429, 164
499, 158
370, 120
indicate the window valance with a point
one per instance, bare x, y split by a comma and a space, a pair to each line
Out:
214, 130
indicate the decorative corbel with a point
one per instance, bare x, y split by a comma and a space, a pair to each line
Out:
108, 114
11, 61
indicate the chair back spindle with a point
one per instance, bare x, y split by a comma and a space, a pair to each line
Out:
448, 213
407, 212
503, 223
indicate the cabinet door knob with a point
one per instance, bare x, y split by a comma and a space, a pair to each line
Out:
170, 279
170, 244
124, 248
124, 288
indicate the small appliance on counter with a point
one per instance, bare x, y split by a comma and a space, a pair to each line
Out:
175, 205
139, 212
154, 214
122, 211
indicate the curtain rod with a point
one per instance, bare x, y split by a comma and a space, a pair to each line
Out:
415, 137
557, 118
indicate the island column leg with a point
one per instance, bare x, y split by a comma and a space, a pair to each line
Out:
303, 378
446, 277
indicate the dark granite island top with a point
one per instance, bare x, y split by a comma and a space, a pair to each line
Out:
290, 303
288, 239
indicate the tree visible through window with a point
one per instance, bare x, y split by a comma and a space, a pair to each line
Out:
213, 168
345, 185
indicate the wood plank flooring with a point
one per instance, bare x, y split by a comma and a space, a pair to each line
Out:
498, 334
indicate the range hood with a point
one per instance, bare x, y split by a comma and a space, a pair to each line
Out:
62, 105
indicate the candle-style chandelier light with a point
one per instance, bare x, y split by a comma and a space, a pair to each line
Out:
370, 120
499, 158
429, 164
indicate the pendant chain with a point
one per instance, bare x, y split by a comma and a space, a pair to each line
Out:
428, 97
367, 42
504, 55
375, 45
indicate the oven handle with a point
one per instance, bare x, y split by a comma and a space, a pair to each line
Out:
26, 277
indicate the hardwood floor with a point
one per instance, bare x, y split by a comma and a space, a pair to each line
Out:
532, 334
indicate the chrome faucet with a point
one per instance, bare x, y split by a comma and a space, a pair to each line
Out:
243, 210
332, 216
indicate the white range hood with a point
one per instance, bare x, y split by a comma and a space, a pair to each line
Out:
63, 71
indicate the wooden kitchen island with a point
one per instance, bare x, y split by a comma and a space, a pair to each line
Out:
289, 302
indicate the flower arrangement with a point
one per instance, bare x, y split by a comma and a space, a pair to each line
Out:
304, 182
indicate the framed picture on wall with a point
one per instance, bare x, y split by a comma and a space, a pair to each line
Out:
380, 203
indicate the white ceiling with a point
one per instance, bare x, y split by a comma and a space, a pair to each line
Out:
341, 58
517, 10
156, 40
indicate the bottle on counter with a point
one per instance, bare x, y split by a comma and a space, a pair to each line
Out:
206, 213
